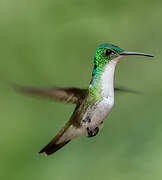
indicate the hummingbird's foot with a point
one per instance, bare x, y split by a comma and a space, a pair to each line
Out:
93, 132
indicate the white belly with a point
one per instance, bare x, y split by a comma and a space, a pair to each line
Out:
96, 114
101, 111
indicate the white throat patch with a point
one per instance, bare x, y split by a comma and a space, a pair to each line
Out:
107, 79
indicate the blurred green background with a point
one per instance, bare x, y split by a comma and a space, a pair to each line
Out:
52, 42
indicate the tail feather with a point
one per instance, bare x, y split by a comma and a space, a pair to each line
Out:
52, 147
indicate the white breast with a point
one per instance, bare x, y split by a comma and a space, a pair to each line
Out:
107, 79
107, 91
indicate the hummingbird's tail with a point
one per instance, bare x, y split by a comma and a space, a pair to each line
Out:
65, 135
52, 147
57, 142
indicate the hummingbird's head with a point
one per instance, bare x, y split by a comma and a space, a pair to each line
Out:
107, 52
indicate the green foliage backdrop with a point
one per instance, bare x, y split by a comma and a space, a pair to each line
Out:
53, 42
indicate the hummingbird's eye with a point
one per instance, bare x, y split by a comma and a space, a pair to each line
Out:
107, 52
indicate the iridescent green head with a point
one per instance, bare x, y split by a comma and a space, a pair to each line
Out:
105, 53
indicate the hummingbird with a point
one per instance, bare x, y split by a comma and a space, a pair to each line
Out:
93, 104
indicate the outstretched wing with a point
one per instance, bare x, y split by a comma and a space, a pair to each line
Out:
120, 88
69, 95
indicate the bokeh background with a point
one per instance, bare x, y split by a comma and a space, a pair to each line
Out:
52, 42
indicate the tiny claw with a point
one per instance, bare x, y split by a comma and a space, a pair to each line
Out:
93, 132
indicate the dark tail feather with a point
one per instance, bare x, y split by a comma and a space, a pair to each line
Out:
52, 147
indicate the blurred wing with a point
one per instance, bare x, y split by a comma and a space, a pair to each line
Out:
69, 95
119, 88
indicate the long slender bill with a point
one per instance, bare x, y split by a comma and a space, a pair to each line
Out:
135, 53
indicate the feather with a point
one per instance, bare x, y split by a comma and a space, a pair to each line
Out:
69, 95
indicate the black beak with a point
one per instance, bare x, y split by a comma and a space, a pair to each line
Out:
135, 53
